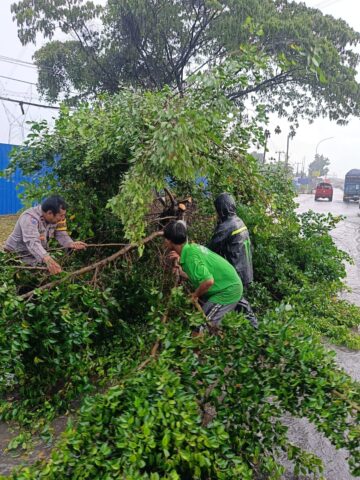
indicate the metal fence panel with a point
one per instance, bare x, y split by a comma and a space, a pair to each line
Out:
9, 199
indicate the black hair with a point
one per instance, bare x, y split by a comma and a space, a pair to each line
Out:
176, 232
55, 203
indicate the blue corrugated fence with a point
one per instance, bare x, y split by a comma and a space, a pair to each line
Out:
9, 200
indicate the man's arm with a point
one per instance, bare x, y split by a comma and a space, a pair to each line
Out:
181, 272
64, 238
203, 288
53, 267
175, 257
31, 238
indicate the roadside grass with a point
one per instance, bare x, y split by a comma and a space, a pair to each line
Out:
7, 223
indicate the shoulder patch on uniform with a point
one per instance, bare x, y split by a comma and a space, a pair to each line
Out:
33, 221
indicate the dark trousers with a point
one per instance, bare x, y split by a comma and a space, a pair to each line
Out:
243, 306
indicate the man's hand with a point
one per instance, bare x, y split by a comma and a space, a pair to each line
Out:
78, 245
53, 267
193, 297
173, 256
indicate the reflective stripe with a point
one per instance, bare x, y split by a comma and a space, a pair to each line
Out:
247, 249
239, 230
213, 311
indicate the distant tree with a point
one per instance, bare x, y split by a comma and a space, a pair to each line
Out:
258, 156
319, 167
146, 43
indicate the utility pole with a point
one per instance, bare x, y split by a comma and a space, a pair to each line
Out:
279, 153
303, 168
291, 134
267, 136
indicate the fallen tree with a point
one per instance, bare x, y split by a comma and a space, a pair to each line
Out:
94, 266
66, 341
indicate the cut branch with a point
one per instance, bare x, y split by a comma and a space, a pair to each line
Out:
94, 266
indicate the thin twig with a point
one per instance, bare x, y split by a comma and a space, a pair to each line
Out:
171, 196
103, 245
25, 267
347, 400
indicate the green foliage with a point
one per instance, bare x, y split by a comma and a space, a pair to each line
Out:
205, 407
313, 64
48, 345
122, 150
297, 264
320, 314
133, 142
208, 407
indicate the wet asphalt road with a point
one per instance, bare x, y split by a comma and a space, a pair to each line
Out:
347, 237
346, 234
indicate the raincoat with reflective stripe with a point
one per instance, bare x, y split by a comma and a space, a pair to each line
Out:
231, 238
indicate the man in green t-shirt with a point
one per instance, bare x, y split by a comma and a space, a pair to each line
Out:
215, 280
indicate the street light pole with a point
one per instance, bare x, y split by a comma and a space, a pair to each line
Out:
323, 140
291, 134
287, 150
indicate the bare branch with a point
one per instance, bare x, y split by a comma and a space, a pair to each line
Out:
94, 266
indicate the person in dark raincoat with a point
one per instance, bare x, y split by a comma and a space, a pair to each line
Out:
231, 240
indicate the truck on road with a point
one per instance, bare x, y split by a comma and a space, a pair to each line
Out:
352, 185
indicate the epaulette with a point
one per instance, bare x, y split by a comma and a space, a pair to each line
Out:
61, 226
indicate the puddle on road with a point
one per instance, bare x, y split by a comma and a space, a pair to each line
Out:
40, 449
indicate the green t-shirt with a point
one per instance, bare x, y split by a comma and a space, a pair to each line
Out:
200, 264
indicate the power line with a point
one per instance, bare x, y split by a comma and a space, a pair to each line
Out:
22, 63
23, 102
326, 3
17, 61
18, 80
28, 96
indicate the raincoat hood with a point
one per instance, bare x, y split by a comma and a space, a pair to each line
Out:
225, 205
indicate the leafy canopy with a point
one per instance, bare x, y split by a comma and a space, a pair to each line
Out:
319, 166
313, 64
118, 151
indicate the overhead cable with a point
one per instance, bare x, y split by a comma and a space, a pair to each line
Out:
17, 61
23, 102
17, 80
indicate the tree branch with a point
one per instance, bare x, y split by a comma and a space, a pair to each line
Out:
86, 48
94, 266
281, 78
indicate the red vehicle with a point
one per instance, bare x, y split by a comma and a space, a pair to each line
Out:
324, 190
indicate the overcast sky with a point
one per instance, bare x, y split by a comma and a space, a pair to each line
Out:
343, 149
